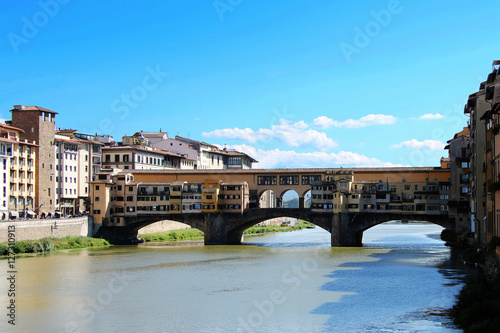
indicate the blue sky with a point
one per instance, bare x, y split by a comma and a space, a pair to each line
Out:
292, 83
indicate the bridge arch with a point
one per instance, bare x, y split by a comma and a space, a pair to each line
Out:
358, 224
289, 195
267, 199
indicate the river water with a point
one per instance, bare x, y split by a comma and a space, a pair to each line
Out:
401, 280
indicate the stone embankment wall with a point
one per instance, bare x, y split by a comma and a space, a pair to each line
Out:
49, 228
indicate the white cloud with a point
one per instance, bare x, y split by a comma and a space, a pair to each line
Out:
323, 122
270, 159
430, 116
369, 120
292, 134
2, 121
421, 145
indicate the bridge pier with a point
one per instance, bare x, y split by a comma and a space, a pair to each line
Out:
219, 231
301, 203
342, 233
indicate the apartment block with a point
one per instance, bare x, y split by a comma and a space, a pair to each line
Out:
483, 108
144, 158
18, 174
460, 194
342, 193
115, 196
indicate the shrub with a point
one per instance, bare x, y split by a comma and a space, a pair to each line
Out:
448, 236
4, 250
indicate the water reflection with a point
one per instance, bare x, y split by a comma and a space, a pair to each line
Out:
401, 280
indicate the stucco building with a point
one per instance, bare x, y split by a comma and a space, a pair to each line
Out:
17, 174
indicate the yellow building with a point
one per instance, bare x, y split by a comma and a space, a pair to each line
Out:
210, 195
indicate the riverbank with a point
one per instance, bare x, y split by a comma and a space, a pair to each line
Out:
195, 234
257, 230
478, 303
51, 244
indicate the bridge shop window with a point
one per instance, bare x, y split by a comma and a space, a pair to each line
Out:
289, 180
308, 180
266, 180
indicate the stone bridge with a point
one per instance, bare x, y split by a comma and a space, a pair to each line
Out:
227, 228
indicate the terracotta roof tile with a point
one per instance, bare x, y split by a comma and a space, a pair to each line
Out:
34, 108
12, 128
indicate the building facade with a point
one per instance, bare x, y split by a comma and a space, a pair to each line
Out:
18, 174
38, 125
483, 107
459, 203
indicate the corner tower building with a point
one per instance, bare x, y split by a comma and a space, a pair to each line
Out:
39, 125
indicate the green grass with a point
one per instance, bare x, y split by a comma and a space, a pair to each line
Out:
276, 228
51, 244
174, 235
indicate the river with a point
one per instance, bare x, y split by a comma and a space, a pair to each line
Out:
401, 280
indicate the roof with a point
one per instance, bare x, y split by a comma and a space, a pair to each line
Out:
152, 134
12, 128
32, 108
89, 141
24, 142
213, 172
154, 150
73, 142
66, 131
238, 153
177, 137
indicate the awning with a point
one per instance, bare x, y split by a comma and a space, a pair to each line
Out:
14, 214
30, 212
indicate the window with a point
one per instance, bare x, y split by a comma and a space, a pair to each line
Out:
289, 180
117, 158
97, 187
96, 198
267, 180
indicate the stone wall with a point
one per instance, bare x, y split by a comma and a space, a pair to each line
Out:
50, 228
